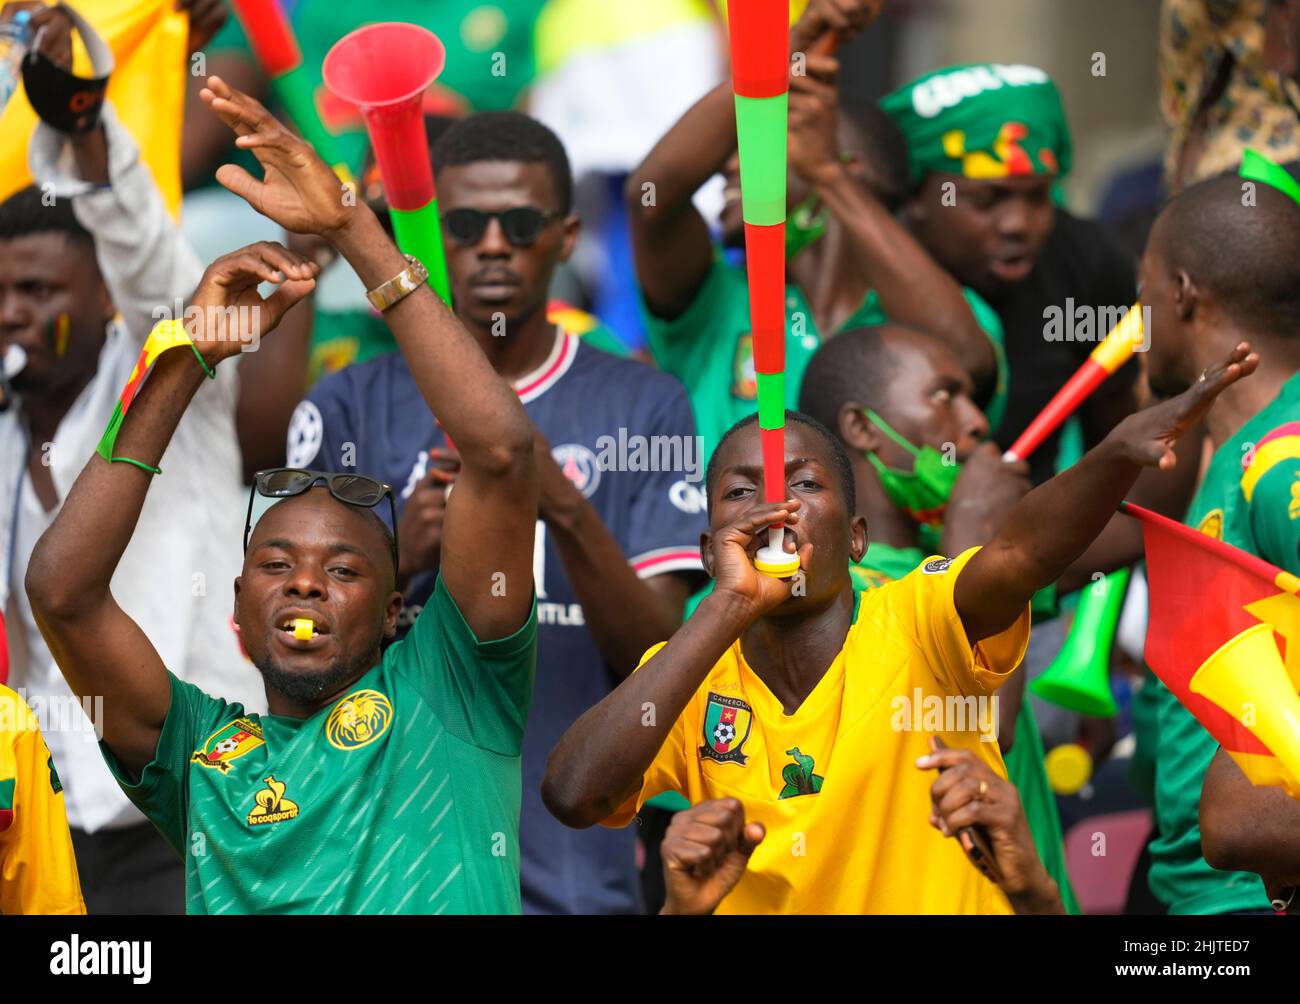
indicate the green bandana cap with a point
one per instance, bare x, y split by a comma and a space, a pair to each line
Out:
982, 120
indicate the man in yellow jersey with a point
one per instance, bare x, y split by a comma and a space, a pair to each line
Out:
708, 846
38, 873
811, 703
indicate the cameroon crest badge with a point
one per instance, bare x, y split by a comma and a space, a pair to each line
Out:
232, 740
727, 721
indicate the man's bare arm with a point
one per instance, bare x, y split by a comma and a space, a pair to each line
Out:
671, 247
1054, 524
913, 288
1247, 827
487, 542
601, 760
100, 650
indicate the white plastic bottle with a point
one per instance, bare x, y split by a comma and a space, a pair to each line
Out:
14, 38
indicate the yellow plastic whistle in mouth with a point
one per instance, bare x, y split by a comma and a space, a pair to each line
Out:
303, 628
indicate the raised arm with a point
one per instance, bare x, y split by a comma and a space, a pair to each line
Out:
670, 239
487, 538
144, 258
671, 247
1056, 522
913, 288
601, 760
100, 650
148, 265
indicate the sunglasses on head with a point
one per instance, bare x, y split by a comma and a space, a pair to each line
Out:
352, 489
521, 225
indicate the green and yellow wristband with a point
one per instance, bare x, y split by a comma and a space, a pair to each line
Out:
165, 335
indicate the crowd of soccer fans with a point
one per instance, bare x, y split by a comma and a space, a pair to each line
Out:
494, 595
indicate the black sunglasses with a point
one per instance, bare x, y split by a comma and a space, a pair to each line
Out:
521, 225
352, 489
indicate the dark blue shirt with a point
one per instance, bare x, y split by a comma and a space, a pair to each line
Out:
624, 434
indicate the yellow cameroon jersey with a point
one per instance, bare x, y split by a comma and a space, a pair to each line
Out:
836, 783
38, 873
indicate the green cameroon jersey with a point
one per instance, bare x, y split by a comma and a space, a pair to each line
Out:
710, 349
401, 797
883, 564
1250, 498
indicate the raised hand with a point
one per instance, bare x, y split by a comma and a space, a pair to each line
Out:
730, 556
49, 25
705, 852
846, 17
814, 118
419, 528
299, 191
226, 314
986, 491
1147, 437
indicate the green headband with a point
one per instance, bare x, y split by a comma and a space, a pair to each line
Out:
983, 120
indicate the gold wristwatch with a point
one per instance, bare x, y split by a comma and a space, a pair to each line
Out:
399, 286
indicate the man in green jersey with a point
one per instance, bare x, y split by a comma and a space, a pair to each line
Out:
1217, 272
381, 781
864, 267
901, 404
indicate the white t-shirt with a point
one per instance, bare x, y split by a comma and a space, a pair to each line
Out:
176, 576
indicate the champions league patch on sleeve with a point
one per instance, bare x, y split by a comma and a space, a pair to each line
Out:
936, 566
306, 431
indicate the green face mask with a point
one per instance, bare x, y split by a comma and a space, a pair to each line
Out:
922, 492
804, 226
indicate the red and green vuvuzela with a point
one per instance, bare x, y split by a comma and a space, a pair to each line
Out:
759, 60
277, 52
384, 69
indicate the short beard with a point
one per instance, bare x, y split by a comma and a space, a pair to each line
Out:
309, 688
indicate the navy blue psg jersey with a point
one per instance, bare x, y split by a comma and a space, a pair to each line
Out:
624, 434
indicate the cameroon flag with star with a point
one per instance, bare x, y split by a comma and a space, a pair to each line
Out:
1223, 634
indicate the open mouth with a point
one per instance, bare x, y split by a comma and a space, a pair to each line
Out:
1012, 268
301, 629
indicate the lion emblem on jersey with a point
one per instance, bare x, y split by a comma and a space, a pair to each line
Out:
358, 719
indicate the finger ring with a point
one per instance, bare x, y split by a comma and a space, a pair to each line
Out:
984, 788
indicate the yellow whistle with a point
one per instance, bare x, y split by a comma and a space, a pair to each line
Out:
303, 628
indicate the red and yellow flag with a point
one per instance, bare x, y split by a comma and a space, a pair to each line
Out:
1223, 635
